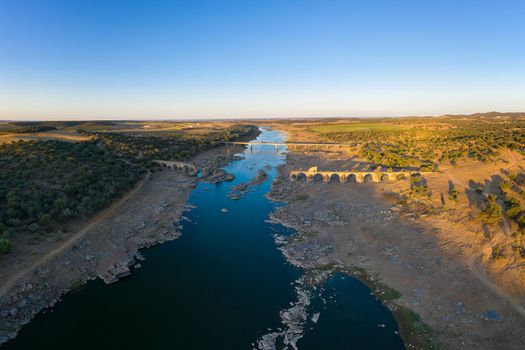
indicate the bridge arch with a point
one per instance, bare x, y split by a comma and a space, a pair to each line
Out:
301, 177
334, 178
385, 177
367, 178
317, 177
351, 178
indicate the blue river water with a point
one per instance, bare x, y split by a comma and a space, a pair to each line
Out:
222, 285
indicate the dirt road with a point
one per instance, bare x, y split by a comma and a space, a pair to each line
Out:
101, 217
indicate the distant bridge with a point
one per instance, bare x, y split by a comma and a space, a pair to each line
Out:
351, 176
182, 166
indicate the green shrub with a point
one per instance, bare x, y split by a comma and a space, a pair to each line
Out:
504, 186
492, 213
513, 207
497, 252
5, 246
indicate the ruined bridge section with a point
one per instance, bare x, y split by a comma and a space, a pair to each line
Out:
182, 166
352, 176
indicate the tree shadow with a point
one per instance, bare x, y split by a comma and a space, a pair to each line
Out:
504, 172
486, 231
474, 193
493, 185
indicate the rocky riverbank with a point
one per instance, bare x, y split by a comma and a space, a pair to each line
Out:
363, 230
108, 246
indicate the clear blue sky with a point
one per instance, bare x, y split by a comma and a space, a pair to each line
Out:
285, 58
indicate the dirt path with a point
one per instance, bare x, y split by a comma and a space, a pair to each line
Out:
477, 268
74, 238
480, 274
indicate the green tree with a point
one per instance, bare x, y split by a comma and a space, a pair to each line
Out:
492, 213
513, 207
5, 246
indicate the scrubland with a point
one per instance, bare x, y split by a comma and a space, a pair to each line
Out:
451, 242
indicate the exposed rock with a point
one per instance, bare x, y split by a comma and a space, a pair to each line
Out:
238, 191
492, 315
218, 175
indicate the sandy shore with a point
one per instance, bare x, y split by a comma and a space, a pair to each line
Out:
107, 246
403, 255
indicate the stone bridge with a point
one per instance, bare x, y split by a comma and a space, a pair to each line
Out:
182, 166
351, 176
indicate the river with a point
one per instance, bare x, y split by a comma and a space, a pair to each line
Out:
222, 285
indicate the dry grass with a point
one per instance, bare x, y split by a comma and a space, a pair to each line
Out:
61, 135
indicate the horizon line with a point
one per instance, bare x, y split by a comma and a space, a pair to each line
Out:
184, 119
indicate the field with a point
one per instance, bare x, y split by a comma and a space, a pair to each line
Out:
60, 135
354, 127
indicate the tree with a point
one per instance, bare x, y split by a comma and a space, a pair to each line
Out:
33, 227
497, 252
5, 246
44, 184
513, 207
492, 213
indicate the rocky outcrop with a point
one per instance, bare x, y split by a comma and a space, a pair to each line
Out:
238, 191
216, 175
